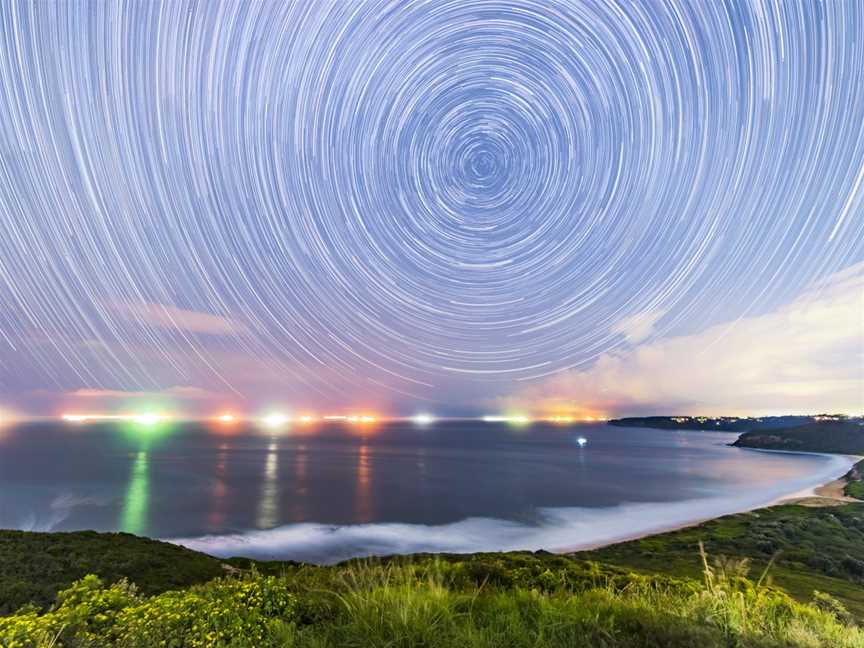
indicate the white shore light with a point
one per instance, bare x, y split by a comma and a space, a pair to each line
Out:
275, 420
75, 418
148, 419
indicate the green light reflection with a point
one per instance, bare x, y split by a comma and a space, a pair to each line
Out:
134, 516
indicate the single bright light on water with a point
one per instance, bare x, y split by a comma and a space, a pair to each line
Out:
424, 419
581, 441
227, 418
74, 418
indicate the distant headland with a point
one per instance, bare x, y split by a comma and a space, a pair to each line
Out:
732, 423
829, 433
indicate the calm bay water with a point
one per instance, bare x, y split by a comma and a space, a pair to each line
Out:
331, 492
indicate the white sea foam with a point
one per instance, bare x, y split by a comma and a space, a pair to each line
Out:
558, 528
58, 510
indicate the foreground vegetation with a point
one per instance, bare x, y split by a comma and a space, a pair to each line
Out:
503, 600
855, 482
35, 566
616, 596
808, 548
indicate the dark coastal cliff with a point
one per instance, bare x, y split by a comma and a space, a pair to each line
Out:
842, 437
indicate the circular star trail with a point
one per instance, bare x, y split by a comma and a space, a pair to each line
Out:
411, 196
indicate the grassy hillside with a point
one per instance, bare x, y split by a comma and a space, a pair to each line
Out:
431, 603
659, 591
843, 437
34, 566
813, 549
855, 481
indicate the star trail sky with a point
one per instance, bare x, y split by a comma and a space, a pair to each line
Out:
402, 203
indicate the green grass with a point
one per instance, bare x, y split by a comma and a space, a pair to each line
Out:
855, 481
34, 566
431, 603
855, 489
655, 592
813, 549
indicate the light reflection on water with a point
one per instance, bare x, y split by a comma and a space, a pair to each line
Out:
134, 516
188, 480
363, 490
220, 488
268, 505
299, 489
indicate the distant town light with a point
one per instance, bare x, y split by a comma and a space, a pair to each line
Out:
147, 418
275, 420
423, 419
519, 419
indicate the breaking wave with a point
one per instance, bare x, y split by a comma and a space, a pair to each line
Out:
557, 529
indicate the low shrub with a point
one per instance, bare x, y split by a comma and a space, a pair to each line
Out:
482, 601
227, 611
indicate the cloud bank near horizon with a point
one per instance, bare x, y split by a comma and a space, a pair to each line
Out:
806, 356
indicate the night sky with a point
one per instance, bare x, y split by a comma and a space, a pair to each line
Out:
455, 206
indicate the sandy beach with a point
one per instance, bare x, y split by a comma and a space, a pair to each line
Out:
828, 494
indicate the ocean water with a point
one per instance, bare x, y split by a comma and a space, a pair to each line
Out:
326, 493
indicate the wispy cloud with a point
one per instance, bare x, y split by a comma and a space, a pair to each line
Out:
806, 356
170, 317
638, 327
103, 393
184, 400
180, 391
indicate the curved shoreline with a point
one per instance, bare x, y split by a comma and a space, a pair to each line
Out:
597, 527
822, 494
825, 490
